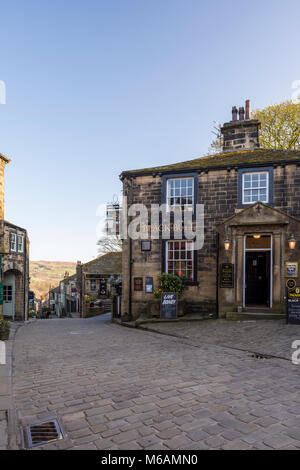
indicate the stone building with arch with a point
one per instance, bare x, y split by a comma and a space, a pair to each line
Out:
15, 272
14, 262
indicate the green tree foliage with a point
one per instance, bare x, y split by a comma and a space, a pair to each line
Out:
280, 126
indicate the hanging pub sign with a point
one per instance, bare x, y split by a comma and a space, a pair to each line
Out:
102, 287
169, 303
293, 307
227, 275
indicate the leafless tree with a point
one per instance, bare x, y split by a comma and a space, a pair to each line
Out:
109, 243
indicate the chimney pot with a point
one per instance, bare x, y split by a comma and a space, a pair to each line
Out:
248, 109
241, 132
234, 113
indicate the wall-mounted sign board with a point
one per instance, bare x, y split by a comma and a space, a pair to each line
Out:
227, 275
146, 245
138, 283
291, 269
149, 285
293, 307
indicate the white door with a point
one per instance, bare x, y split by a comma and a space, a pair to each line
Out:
9, 296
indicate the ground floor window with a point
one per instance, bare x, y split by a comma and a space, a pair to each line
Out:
7, 293
93, 284
180, 258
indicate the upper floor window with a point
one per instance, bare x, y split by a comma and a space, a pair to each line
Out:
20, 243
180, 258
13, 242
180, 192
256, 185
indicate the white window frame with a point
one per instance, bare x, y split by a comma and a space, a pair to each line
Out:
192, 260
13, 242
20, 237
94, 283
247, 173
191, 206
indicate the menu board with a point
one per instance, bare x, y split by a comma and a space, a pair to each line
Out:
293, 307
169, 301
227, 275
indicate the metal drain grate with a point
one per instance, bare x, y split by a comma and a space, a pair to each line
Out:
260, 356
43, 433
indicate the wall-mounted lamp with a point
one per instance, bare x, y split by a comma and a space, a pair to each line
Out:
292, 242
227, 244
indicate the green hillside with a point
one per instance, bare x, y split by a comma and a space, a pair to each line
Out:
47, 274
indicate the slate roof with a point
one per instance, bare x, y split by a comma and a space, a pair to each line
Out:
110, 263
236, 158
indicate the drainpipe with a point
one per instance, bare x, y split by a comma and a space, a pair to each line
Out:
24, 277
130, 254
217, 283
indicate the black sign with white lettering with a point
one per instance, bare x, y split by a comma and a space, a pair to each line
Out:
293, 307
169, 301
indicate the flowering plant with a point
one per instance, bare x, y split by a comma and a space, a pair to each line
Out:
169, 283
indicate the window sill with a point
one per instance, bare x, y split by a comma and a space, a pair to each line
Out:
188, 282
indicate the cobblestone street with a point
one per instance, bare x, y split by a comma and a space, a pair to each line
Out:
120, 388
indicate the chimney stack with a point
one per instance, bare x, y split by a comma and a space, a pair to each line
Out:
241, 132
234, 113
248, 110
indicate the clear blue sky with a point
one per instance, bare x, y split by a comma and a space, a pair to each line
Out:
97, 87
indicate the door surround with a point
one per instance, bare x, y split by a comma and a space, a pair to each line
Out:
249, 250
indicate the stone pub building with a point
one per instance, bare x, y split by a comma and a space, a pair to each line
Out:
251, 199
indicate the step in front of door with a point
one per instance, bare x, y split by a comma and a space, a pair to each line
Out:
254, 316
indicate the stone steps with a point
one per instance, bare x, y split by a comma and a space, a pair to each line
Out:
258, 315
107, 304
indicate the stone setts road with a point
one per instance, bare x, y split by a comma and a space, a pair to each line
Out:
119, 388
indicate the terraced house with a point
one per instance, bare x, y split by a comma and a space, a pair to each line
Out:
251, 199
14, 249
